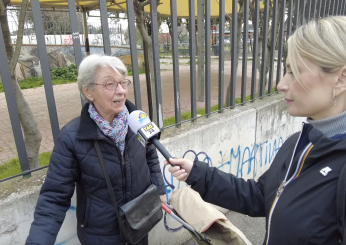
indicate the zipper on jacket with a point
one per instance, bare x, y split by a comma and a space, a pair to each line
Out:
123, 172
124, 181
285, 182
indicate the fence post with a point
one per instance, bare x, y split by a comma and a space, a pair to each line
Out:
12, 108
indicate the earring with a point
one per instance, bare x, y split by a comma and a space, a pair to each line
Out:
335, 98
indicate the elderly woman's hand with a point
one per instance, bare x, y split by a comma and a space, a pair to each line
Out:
182, 169
163, 199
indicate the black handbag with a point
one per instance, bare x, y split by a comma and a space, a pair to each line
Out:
137, 217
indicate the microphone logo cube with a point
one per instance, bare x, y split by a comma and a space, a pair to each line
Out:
149, 130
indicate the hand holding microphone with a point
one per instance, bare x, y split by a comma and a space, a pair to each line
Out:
146, 130
181, 168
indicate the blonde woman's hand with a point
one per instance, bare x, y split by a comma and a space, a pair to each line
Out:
182, 168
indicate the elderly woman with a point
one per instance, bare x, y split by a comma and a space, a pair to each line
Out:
297, 194
75, 163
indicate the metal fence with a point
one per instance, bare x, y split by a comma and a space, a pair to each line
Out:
285, 17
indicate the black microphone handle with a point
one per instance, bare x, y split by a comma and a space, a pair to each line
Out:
161, 148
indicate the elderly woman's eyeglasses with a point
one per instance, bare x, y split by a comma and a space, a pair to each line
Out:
113, 85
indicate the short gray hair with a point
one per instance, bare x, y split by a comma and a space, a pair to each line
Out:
89, 66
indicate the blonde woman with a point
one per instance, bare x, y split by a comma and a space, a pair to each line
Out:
297, 194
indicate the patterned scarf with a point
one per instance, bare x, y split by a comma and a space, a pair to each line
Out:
117, 131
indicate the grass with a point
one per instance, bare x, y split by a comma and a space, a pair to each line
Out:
140, 71
201, 111
34, 82
12, 167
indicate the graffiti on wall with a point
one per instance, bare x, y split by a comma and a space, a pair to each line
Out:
246, 161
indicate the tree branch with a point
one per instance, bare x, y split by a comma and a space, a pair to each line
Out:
2, 7
142, 5
20, 31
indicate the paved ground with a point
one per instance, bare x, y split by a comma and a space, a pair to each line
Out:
69, 105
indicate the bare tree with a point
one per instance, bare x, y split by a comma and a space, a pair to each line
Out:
32, 135
142, 22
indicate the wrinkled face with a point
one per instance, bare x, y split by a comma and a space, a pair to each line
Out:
108, 103
316, 99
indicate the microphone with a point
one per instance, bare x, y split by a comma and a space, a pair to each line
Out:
140, 124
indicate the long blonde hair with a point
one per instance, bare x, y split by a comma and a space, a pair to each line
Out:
322, 41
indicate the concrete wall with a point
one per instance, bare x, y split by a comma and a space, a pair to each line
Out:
242, 141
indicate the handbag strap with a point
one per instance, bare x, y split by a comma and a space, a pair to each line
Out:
108, 181
340, 203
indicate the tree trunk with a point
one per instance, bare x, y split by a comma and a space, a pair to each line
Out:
32, 135
140, 23
239, 29
5, 28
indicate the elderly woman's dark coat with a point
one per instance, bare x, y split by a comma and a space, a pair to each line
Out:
74, 163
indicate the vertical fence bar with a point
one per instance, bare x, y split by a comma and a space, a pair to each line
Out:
175, 61
344, 8
75, 32
328, 7
207, 56
201, 56
302, 12
281, 33
340, 7
289, 17
245, 51
273, 43
296, 14
147, 78
192, 50
133, 52
234, 45
221, 52
332, 8
47, 80
308, 9
156, 57
104, 26
336, 9
254, 53
12, 106
324, 8
319, 9
314, 6
264, 49
86, 33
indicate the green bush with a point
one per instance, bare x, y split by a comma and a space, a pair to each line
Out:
68, 73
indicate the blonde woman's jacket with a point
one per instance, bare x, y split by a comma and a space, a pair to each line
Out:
297, 194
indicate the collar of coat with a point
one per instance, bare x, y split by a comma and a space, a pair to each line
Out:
323, 144
88, 129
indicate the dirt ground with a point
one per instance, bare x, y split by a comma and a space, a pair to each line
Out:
167, 82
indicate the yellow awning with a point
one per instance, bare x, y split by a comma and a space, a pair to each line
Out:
120, 6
